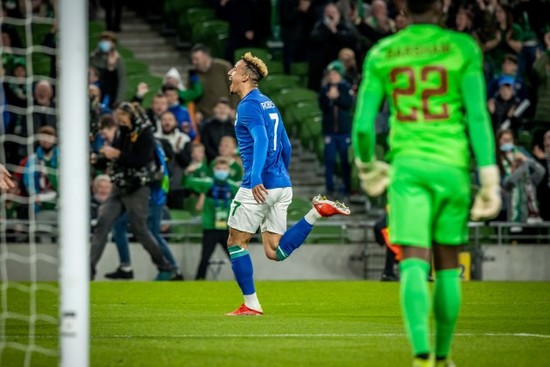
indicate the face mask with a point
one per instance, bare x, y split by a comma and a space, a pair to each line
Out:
221, 175
104, 46
508, 147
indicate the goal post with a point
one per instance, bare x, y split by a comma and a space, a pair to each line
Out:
74, 185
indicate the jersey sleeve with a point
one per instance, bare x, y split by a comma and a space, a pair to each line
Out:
474, 95
370, 96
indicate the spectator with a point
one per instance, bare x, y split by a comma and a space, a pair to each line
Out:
329, 36
44, 106
10, 40
216, 127
97, 108
16, 91
178, 156
374, 26
541, 151
16, 209
401, 21
170, 132
336, 102
186, 94
249, 23
379, 19
197, 167
297, 18
131, 156
158, 107
540, 79
106, 132
112, 69
347, 57
218, 189
14, 94
532, 17
228, 151
101, 189
50, 41
505, 39
40, 180
113, 14
503, 105
464, 21
509, 68
180, 112
212, 73
520, 176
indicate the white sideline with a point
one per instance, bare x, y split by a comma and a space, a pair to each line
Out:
190, 336
221, 336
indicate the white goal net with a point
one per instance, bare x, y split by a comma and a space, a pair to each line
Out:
43, 133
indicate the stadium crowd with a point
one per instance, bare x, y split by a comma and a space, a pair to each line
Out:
192, 117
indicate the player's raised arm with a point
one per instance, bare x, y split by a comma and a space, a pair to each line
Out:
487, 202
373, 174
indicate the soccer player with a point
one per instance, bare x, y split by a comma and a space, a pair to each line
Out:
265, 192
434, 82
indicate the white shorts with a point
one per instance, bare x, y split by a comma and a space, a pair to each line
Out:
246, 215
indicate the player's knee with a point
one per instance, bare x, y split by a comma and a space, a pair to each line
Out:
271, 254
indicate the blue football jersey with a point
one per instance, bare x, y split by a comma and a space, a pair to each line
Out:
253, 110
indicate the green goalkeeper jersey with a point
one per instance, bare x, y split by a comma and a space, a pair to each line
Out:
434, 84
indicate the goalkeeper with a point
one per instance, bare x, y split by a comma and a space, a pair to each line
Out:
433, 79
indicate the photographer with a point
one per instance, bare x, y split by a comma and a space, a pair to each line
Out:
133, 166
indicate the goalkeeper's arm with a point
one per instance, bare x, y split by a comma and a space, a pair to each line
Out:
369, 98
373, 174
488, 201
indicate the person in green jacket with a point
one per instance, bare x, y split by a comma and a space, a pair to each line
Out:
218, 189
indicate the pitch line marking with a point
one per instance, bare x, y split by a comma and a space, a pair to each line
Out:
389, 335
221, 336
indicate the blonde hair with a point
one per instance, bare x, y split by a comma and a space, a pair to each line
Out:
256, 66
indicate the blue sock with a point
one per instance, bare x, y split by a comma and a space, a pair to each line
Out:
293, 238
242, 268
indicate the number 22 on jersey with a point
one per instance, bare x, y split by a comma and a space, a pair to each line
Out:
422, 83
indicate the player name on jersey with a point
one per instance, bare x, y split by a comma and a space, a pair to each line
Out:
267, 105
418, 50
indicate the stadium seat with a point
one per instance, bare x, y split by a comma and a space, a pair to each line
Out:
262, 53
218, 45
189, 27
135, 67
207, 32
277, 82
275, 67
300, 69
178, 231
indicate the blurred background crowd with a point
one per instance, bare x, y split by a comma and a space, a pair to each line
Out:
314, 50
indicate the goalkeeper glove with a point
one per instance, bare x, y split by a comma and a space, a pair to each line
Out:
488, 201
374, 176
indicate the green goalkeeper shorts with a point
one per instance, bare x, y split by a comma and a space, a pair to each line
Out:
429, 202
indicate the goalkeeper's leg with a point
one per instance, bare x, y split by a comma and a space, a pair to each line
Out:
415, 299
446, 298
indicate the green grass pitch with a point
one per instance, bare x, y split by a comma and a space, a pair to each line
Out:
306, 323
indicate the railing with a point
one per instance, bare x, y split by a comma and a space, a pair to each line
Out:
344, 231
